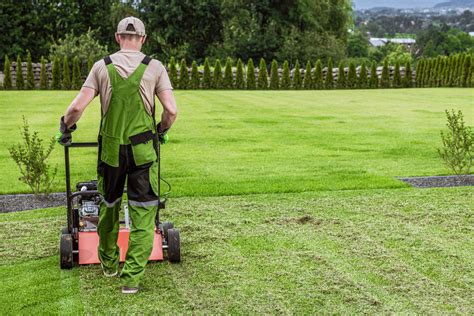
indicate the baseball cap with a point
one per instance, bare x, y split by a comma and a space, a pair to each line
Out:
131, 25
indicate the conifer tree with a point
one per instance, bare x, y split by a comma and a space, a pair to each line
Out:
228, 82
297, 81
397, 78
90, 63
251, 84
206, 76
262, 81
195, 80
427, 73
30, 77
466, 72
329, 79
472, 72
307, 79
217, 75
374, 77
43, 75
183, 75
363, 77
173, 72
433, 69
76, 74
441, 72
419, 73
285, 76
20, 82
459, 69
239, 75
352, 76
341, 76
318, 75
407, 80
66, 83
7, 72
385, 79
56, 74
446, 72
274, 76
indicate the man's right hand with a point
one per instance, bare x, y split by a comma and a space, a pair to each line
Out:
163, 137
63, 136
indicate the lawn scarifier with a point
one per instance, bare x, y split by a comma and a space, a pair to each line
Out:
79, 240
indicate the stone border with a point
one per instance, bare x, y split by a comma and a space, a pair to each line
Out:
23, 202
439, 181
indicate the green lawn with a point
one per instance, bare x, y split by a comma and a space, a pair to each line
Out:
286, 202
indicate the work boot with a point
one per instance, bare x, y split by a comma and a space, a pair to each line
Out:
108, 272
129, 290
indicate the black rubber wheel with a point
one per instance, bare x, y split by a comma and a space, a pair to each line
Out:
65, 251
166, 227
174, 246
64, 230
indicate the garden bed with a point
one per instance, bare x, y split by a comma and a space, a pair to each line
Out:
23, 202
439, 181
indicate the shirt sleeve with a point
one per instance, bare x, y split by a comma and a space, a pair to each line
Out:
92, 80
163, 82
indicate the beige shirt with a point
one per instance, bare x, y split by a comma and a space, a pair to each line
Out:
155, 79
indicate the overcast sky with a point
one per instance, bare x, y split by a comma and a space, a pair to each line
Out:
364, 4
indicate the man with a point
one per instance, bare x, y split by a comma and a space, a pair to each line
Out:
127, 82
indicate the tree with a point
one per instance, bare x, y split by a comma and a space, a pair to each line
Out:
419, 73
329, 80
90, 63
296, 84
318, 75
20, 82
251, 85
7, 71
183, 75
195, 80
374, 78
43, 75
308, 80
206, 77
397, 79
362, 83
228, 82
408, 79
76, 74
285, 76
341, 76
30, 77
352, 76
466, 72
66, 83
357, 45
56, 75
217, 75
239, 75
274, 76
262, 81
173, 72
385, 79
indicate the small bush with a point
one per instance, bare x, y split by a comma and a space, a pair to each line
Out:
397, 79
90, 63
239, 75
206, 77
66, 83
20, 82
183, 75
351, 76
408, 79
285, 76
56, 71
43, 75
217, 75
362, 82
31, 158
30, 77
341, 77
7, 71
228, 81
83, 46
297, 81
385, 80
76, 74
329, 80
251, 84
318, 75
173, 72
195, 80
308, 79
262, 81
374, 77
274, 77
458, 144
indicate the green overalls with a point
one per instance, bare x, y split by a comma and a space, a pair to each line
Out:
127, 150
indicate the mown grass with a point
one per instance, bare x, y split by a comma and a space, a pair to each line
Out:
398, 251
243, 142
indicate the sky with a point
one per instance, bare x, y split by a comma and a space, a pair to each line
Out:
364, 4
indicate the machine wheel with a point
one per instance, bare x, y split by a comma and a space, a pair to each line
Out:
65, 251
166, 227
174, 246
64, 230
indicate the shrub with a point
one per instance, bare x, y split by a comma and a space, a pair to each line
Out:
466, 72
20, 82
30, 77
363, 77
419, 73
90, 63
66, 83
285, 76
239, 75
296, 84
458, 144
341, 76
195, 80
228, 82
251, 84
385, 79
397, 79
173, 72
206, 77
31, 158
183, 75
274, 76
56, 77
318, 75
83, 46
262, 81
76, 74
329, 80
7, 71
43, 75
408, 79
374, 78
217, 75
307, 79
352, 76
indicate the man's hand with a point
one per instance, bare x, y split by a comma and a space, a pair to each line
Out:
163, 137
63, 136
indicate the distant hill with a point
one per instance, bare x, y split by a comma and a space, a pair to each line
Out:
400, 4
456, 4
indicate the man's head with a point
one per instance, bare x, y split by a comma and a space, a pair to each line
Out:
130, 33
